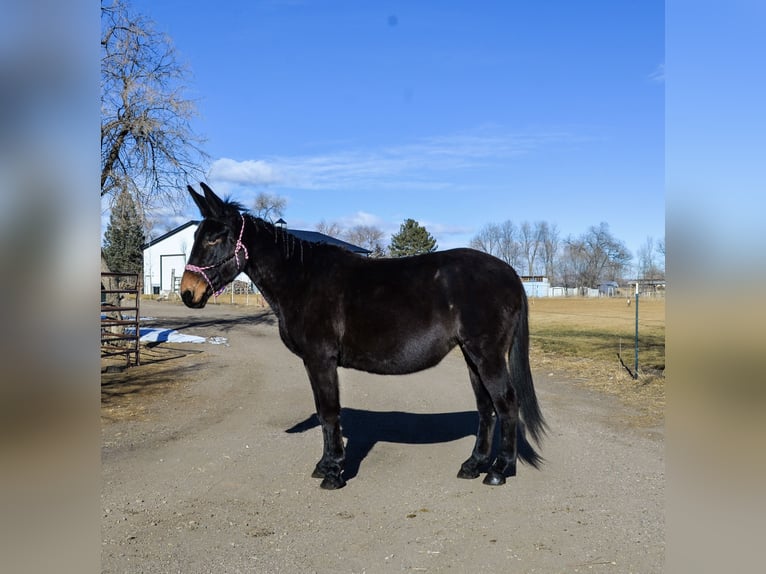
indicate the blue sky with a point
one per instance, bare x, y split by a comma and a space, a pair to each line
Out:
456, 114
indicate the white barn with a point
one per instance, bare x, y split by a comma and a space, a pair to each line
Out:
165, 258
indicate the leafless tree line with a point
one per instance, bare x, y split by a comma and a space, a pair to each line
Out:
529, 247
574, 261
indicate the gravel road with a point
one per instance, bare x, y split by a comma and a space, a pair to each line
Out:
207, 462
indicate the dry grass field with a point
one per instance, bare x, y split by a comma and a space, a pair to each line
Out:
581, 338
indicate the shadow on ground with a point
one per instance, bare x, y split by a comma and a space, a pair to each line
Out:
220, 324
363, 429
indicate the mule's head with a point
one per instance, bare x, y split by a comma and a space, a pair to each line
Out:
218, 255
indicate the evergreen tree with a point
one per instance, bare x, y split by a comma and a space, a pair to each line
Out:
412, 239
124, 237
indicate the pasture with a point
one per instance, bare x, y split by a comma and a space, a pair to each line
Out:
582, 338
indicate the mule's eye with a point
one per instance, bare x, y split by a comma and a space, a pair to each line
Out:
215, 238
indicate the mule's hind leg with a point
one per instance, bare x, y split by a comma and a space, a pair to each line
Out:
480, 457
495, 377
324, 384
504, 398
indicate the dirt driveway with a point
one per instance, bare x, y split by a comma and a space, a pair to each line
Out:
208, 451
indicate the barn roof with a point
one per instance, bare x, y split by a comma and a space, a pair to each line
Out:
170, 233
311, 236
316, 237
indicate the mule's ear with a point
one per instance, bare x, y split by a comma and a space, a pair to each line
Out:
201, 202
215, 203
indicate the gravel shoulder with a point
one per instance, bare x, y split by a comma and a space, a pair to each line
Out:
207, 452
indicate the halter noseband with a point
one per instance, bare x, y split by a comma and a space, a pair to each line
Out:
239, 246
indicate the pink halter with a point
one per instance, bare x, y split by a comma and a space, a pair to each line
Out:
239, 246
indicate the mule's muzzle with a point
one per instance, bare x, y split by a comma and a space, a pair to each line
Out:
194, 290
189, 300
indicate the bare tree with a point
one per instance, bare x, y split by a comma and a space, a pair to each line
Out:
367, 236
147, 144
549, 236
649, 266
510, 249
332, 229
594, 256
487, 239
499, 240
531, 243
574, 263
267, 206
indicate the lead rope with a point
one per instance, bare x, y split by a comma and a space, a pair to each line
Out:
239, 246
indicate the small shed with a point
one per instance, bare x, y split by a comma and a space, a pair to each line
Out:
536, 285
608, 288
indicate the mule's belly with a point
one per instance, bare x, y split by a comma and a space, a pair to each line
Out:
385, 353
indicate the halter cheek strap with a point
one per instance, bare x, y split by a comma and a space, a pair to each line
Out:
237, 248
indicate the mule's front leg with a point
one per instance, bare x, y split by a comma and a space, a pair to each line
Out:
323, 375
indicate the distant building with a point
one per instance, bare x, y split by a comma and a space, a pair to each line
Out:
536, 285
648, 286
608, 288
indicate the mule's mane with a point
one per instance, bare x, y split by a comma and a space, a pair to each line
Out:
231, 205
291, 246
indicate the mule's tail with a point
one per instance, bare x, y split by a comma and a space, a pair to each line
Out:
521, 377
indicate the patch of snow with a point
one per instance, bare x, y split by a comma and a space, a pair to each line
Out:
165, 336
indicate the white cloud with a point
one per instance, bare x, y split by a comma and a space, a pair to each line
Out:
658, 75
428, 163
362, 218
248, 172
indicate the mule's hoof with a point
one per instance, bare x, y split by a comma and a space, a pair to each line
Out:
468, 473
317, 473
332, 483
494, 478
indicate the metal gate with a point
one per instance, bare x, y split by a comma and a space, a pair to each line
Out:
120, 333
